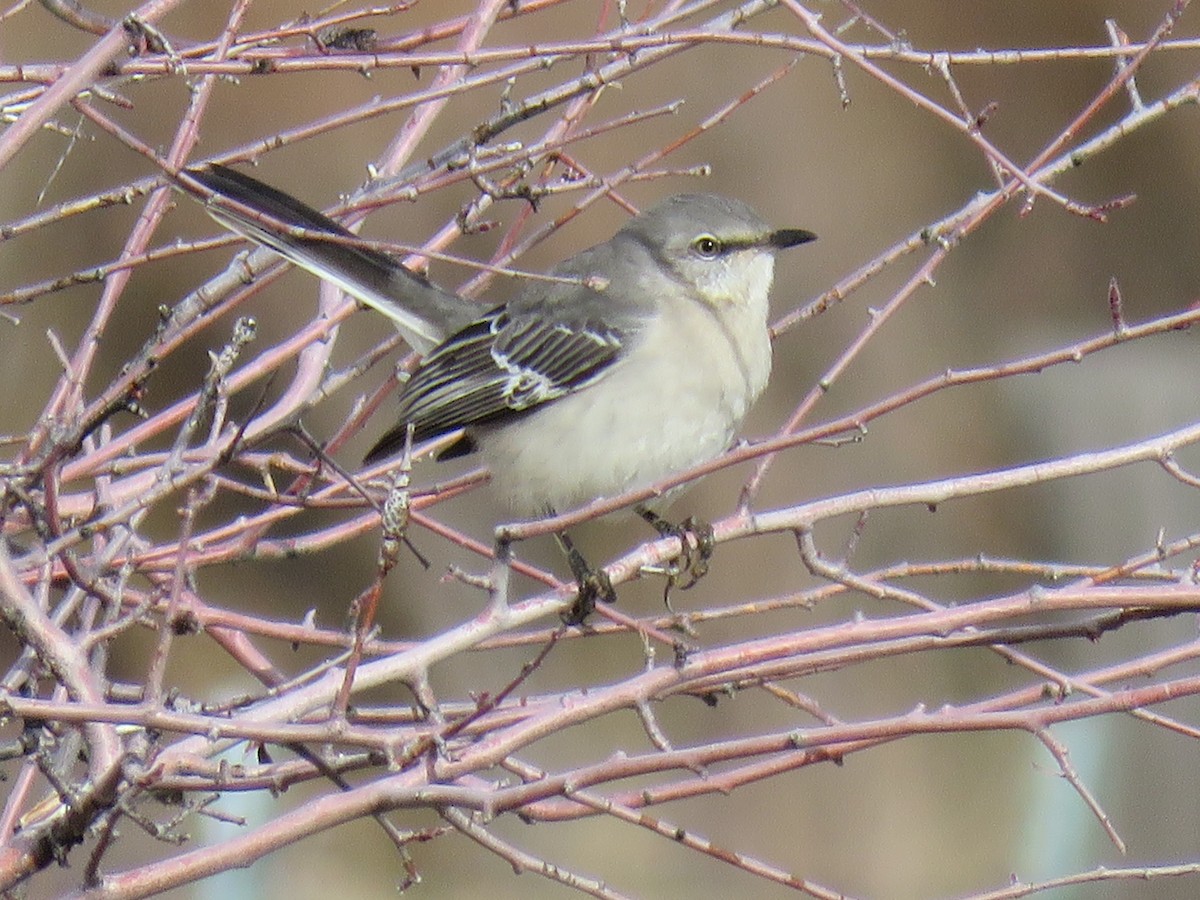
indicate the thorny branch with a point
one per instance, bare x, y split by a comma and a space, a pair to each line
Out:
101, 735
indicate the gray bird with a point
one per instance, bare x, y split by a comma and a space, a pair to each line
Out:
639, 360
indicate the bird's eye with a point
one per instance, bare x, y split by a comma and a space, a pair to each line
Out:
707, 246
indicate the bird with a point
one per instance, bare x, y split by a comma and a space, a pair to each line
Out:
635, 359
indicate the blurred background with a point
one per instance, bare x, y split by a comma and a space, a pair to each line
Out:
935, 816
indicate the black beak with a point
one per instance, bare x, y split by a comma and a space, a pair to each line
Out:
789, 237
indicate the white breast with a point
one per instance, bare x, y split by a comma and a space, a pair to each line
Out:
676, 400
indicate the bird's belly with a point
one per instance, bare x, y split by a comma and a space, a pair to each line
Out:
615, 436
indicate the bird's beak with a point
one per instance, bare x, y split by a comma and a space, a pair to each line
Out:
789, 237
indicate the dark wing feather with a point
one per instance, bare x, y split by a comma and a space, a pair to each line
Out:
499, 366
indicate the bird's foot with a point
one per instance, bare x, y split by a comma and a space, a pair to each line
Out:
696, 543
594, 584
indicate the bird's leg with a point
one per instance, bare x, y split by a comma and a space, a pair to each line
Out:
593, 583
692, 563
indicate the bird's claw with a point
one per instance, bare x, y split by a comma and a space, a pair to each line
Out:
594, 584
696, 544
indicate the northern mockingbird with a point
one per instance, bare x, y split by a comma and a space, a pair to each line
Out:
638, 359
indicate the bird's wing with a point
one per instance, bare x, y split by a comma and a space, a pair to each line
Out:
504, 364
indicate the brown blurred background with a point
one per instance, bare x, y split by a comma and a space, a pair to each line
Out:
937, 816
